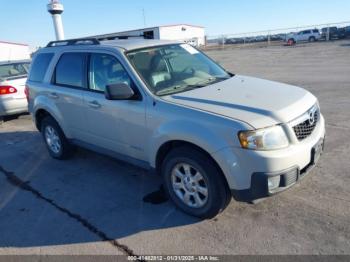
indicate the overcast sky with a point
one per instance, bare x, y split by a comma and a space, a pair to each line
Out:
27, 21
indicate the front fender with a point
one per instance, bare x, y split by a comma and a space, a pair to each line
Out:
187, 131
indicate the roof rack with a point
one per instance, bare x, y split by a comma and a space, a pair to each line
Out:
78, 41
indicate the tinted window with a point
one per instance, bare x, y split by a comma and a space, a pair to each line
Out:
307, 32
39, 67
106, 70
70, 70
315, 31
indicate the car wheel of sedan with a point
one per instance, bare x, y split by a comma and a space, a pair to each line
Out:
194, 183
55, 140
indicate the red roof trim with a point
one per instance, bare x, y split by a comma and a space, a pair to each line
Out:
4, 42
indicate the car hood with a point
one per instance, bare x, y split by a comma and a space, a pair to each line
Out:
260, 103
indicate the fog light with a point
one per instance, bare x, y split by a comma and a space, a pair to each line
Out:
273, 182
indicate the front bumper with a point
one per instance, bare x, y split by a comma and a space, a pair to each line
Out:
11, 106
249, 172
261, 182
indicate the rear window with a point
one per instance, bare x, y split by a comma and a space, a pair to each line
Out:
70, 70
39, 67
13, 70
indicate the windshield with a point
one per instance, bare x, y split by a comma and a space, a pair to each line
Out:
14, 70
175, 68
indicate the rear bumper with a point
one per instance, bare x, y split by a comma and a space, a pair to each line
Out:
11, 106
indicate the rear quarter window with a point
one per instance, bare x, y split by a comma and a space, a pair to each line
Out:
39, 67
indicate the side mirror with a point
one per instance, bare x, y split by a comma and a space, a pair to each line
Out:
119, 91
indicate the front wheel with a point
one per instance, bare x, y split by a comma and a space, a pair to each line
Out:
194, 183
291, 42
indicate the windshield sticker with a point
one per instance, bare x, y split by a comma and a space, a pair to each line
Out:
189, 49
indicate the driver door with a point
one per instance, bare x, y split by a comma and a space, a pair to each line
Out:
115, 125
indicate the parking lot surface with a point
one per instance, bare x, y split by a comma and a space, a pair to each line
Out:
93, 204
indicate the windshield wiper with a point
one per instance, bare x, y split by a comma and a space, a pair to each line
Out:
211, 80
168, 90
201, 84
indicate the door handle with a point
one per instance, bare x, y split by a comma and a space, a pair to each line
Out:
94, 104
53, 95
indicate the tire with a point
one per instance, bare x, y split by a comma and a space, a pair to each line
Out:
291, 42
312, 39
218, 194
55, 140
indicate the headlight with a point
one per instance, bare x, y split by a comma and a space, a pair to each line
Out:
264, 139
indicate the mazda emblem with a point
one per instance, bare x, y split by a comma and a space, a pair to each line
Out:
312, 117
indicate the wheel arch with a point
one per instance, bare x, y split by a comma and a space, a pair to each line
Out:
41, 113
168, 146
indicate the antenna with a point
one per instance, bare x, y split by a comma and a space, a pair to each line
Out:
144, 17
55, 8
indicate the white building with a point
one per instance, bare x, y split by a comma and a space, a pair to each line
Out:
13, 51
194, 35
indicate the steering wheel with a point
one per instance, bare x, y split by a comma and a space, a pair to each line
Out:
189, 69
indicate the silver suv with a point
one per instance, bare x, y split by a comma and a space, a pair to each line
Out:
310, 35
167, 107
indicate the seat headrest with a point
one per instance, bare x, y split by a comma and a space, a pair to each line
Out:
13, 72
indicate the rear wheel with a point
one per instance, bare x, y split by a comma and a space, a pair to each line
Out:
194, 183
312, 39
55, 140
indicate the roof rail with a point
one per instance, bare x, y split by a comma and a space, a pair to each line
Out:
78, 41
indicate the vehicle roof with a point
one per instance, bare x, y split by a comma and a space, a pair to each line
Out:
131, 44
14, 61
125, 44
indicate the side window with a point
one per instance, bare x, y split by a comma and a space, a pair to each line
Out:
106, 70
70, 70
39, 67
315, 31
307, 32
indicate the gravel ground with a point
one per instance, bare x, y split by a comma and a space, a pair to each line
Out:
92, 204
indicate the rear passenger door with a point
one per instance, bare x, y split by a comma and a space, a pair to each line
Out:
116, 125
69, 81
306, 34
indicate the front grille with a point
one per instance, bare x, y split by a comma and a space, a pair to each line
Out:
305, 129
